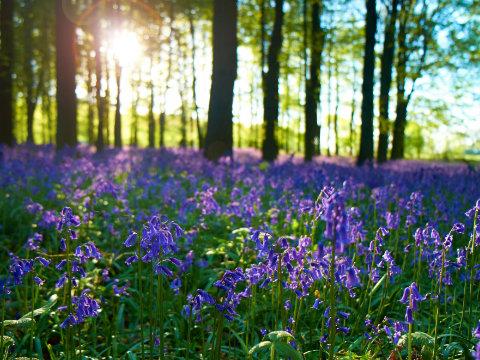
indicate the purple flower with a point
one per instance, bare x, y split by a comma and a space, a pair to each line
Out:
411, 297
476, 331
131, 240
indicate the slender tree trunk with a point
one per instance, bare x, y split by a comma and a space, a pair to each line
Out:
312, 129
46, 65
91, 100
162, 129
117, 126
66, 71
106, 101
353, 108
135, 116
194, 81
398, 142
100, 143
151, 117
366, 138
330, 90
219, 139
386, 61
29, 76
270, 87
163, 117
6, 71
337, 104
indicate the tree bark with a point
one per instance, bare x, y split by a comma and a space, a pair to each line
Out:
219, 139
270, 87
194, 82
117, 126
386, 62
312, 129
31, 88
100, 143
366, 137
6, 70
151, 117
66, 71
91, 100
398, 142
337, 104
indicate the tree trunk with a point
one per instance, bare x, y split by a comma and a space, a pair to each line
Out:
270, 87
106, 102
162, 130
398, 142
312, 129
386, 61
98, 91
366, 137
353, 108
337, 104
117, 126
219, 139
151, 117
194, 82
66, 71
329, 84
6, 70
28, 71
91, 100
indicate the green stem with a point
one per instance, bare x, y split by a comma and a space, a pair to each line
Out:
410, 341
140, 299
333, 315
4, 305
161, 317
218, 343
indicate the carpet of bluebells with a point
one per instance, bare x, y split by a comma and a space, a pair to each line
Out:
149, 254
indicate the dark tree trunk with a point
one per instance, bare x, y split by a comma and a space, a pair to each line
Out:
162, 130
106, 102
312, 129
100, 143
31, 96
6, 70
270, 87
151, 120
366, 137
46, 65
66, 70
398, 142
117, 126
151, 117
337, 104
386, 62
219, 139
329, 84
91, 100
353, 108
194, 82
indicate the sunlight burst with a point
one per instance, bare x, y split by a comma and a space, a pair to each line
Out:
126, 47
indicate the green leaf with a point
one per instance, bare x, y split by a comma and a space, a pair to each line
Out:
242, 230
287, 350
280, 335
260, 346
119, 322
38, 348
419, 340
377, 285
21, 323
131, 355
42, 310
